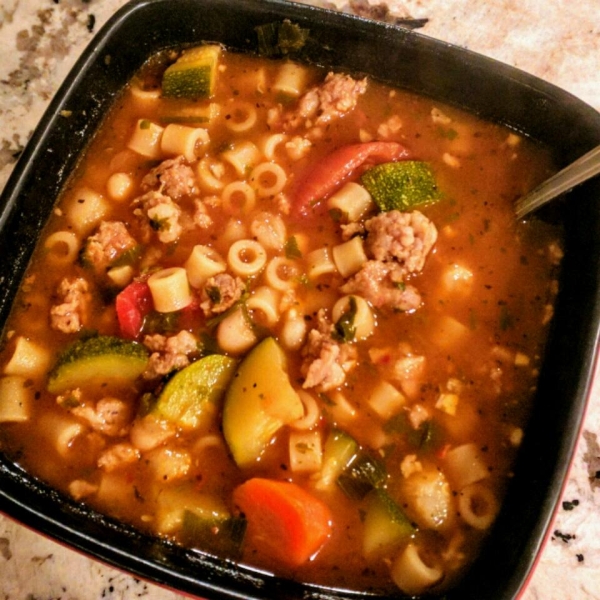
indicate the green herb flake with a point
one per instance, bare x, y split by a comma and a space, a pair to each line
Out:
344, 327
145, 124
292, 250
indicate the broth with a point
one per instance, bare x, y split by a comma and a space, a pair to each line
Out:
211, 238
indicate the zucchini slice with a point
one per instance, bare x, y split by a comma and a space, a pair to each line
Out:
191, 397
98, 360
259, 401
193, 74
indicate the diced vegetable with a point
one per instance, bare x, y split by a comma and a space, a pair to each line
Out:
220, 534
132, 305
193, 75
259, 401
336, 168
339, 450
278, 39
191, 397
385, 525
401, 185
97, 361
363, 474
284, 520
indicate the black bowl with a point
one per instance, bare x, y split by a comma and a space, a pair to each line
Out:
408, 60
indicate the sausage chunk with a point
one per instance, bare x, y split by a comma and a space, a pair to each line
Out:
70, 314
325, 360
110, 241
334, 98
173, 177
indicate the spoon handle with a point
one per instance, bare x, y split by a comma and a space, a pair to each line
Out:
577, 172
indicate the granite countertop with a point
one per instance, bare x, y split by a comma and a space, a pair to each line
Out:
554, 39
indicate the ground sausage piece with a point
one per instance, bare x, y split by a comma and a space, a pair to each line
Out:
381, 284
109, 242
111, 416
405, 238
70, 314
325, 361
162, 215
335, 97
220, 293
169, 353
173, 177
117, 456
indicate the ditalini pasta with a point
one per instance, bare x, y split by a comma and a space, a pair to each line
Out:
295, 286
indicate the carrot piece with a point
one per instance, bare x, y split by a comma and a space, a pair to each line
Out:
338, 166
284, 521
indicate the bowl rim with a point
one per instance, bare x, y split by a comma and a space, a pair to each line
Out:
41, 508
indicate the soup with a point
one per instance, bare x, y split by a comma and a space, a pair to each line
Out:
286, 317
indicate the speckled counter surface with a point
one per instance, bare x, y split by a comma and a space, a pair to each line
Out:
558, 40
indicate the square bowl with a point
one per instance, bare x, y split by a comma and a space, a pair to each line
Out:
413, 62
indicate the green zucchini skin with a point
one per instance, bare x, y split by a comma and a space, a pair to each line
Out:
104, 359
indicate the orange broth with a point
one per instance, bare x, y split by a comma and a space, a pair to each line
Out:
464, 362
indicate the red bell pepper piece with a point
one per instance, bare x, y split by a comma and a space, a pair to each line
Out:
133, 304
336, 168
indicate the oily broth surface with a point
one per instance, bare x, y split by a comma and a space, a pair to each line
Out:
479, 171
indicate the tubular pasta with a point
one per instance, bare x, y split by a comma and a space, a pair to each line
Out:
271, 143
282, 273
268, 179
306, 452
312, 412
62, 247
364, 322
145, 99
293, 330
290, 80
465, 465
183, 140
352, 200
121, 276
28, 359
238, 198
209, 173
235, 334
349, 257
119, 186
263, 305
170, 289
477, 505
203, 262
240, 117
246, 258
15, 399
61, 430
411, 574
86, 209
269, 230
386, 400
242, 157
145, 139
319, 263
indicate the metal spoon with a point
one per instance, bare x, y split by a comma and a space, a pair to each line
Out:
581, 170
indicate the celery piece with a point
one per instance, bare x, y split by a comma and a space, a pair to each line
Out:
190, 398
385, 525
401, 185
97, 360
193, 74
